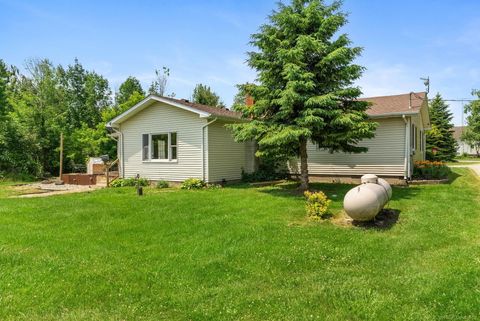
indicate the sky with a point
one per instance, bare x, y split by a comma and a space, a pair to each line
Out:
207, 41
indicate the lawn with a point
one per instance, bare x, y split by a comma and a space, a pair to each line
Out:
239, 253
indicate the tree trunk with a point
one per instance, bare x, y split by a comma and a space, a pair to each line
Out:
303, 165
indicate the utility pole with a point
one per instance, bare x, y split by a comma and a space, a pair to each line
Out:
61, 156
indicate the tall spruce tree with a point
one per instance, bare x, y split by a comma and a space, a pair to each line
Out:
305, 86
441, 146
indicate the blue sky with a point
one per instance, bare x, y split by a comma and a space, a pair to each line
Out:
206, 41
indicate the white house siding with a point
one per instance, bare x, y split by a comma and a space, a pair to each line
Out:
464, 148
227, 158
385, 156
162, 118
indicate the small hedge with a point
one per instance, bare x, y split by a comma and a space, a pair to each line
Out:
317, 205
122, 182
193, 183
162, 184
430, 170
263, 175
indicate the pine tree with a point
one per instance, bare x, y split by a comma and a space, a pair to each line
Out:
305, 86
441, 146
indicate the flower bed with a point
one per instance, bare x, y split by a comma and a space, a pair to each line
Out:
428, 170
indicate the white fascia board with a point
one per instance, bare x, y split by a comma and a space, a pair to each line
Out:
399, 114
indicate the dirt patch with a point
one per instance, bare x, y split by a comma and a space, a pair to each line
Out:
43, 190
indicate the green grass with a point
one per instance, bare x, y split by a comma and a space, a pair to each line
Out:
239, 253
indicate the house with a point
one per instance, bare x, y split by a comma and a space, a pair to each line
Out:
164, 138
399, 141
463, 147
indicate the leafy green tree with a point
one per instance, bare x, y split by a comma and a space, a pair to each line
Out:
15, 157
39, 108
203, 94
440, 136
305, 86
472, 134
127, 88
87, 95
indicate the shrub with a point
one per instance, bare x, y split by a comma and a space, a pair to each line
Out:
430, 170
193, 183
317, 204
122, 182
162, 184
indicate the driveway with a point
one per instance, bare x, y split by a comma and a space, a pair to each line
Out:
474, 167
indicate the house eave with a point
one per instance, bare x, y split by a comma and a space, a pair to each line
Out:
145, 102
394, 114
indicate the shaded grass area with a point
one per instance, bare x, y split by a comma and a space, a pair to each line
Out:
239, 253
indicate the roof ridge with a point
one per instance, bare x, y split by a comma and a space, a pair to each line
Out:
396, 95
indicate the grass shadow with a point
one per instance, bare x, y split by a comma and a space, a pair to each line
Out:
452, 176
385, 220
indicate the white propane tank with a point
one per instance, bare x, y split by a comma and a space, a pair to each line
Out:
364, 202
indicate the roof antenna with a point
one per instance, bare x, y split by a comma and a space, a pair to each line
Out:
426, 82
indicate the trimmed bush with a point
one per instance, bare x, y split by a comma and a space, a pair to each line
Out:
430, 170
122, 182
317, 205
162, 184
193, 183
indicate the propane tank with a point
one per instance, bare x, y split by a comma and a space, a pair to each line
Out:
364, 202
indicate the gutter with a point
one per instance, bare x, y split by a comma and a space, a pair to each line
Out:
203, 146
407, 149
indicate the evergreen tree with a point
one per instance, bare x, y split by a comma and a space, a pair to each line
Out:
472, 134
440, 136
127, 88
305, 86
203, 94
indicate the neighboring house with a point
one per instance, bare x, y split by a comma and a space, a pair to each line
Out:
462, 147
170, 139
399, 141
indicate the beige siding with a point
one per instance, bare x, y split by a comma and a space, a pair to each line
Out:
161, 118
385, 156
419, 152
226, 158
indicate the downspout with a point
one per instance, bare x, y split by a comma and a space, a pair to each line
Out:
121, 147
407, 149
203, 146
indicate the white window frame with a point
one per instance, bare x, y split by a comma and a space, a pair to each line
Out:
165, 160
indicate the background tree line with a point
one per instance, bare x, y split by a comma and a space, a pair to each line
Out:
47, 100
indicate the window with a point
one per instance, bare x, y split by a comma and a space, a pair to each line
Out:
422, 142
159, 146
413, 137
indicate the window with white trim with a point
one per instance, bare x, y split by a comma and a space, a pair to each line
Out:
159, 146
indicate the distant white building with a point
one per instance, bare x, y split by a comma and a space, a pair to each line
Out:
463, 147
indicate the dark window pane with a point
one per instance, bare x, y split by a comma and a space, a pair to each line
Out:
144, 146
160, 146
174, 152
173, 138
